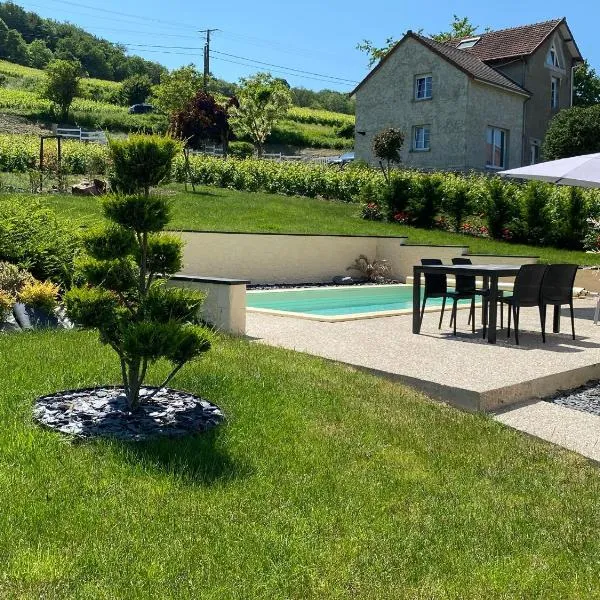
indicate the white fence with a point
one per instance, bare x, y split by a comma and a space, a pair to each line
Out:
75, 133
279, 156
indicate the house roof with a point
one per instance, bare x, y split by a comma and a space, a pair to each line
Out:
470, 64
513, 42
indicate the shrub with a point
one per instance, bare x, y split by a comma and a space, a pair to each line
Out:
12, 279
345, 131
141, 162
535, 199
457, 202
568, 215
40, 294
241, 149
387, 145
499, 209
397, 195
6, 304
425, 201
373, 270
573, 131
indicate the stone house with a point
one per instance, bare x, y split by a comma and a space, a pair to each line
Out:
482, 102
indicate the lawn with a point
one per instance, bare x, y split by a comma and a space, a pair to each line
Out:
324, 483
216, 209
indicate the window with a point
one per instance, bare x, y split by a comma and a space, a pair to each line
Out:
495, 148
554, 87
421, 137
423, 87
552, 58
468, 43
535, 153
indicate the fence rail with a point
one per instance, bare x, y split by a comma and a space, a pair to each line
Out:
76, 133
277, 156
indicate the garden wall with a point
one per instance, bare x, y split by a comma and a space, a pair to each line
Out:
296, 258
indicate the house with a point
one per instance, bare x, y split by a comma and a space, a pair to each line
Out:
482, 102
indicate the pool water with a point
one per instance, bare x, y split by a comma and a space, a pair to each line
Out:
336, 301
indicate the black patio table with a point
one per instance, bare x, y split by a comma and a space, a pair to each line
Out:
490, 274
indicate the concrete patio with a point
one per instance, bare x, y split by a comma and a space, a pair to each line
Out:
465, 370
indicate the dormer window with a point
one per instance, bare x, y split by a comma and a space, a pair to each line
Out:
468, 43
552, 58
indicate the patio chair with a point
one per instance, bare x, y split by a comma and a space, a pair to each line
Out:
436, 286
469, 282
526, 292
557, 290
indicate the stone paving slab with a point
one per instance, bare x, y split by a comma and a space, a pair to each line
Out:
463, 370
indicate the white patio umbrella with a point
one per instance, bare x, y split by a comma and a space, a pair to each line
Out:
582, 171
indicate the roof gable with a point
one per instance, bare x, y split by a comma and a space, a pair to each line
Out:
468, 63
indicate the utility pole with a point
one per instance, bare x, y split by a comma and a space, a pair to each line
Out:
207, 56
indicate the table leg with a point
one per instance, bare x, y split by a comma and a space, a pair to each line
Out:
556, 320
484, 300
416, 327
493, 309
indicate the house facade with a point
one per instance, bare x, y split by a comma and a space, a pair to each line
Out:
481, 103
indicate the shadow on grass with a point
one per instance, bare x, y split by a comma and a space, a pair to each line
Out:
200, 459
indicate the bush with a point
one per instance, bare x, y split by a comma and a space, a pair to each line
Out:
12, 279
241, 149
535, 201
396, 196
35, 239
457, 202
141, 162
573, 131
6, 304
425, 201
40, 294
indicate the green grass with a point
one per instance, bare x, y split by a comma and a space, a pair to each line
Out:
324, 483
216, 209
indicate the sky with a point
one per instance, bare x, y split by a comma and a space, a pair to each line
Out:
310, 43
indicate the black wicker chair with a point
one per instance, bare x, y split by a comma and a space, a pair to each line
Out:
526, 292
557, 290
436, 286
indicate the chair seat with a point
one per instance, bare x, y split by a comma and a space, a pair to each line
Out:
511, 300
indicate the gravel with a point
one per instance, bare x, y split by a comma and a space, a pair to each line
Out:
585, 398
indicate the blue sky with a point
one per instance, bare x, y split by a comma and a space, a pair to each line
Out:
316, 37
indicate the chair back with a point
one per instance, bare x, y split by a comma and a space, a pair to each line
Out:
435, 285
528, 284
557, 286
464, 283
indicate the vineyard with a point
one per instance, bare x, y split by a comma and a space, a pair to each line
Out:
303, 127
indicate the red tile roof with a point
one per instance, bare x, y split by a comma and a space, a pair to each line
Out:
509, 43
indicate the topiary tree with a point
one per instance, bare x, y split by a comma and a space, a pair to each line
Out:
141, 162
387, 145
123, 272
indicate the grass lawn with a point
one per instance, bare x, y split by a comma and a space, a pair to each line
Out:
324, 483
216, 209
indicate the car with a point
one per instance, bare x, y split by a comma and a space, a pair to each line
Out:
140, 109
342, 159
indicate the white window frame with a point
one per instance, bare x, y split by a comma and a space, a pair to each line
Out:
427, 79
553, 60
501, 135
554, 92
534, 156
421, 143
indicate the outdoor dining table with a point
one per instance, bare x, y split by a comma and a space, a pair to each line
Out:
490, 273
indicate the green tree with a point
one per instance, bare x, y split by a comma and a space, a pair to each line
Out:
586, 86
39, 54
135, 89
3, 36
16, 48
262, 102
125, 268
460, 27
573, 131
387, 145
62, 84
176, 89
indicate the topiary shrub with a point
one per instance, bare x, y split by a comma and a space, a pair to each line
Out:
122, 276
141, 162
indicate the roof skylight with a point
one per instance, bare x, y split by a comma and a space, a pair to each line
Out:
468, 43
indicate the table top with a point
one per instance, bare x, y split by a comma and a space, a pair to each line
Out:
500, 270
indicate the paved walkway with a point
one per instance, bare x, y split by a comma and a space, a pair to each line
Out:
465, 370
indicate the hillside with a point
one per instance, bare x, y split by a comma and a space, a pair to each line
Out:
95, 109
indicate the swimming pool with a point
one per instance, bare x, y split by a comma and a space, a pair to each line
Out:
336, 303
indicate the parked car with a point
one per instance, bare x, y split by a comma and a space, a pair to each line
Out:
342, 159
140, 109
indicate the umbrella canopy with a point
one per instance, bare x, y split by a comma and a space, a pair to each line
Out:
582, 171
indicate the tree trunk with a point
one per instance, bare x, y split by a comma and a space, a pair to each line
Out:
133, 386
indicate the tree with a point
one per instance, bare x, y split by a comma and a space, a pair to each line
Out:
459, 28
201, 119
573, 131
39, 54
176, 89
62, 84
262, 102
3, 36
135, 89
125, 267
15, 48
586, 86
387, 145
